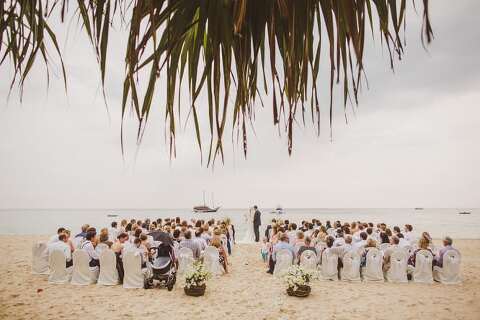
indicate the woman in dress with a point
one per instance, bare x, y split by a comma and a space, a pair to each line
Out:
249, 234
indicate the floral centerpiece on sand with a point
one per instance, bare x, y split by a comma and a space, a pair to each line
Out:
196, 279
298, 281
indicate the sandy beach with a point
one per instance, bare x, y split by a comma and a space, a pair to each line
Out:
246, 293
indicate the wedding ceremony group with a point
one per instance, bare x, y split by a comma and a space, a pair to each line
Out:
335, 143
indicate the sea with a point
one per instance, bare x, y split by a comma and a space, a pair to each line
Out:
438, 222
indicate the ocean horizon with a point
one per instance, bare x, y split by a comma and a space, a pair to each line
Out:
438, 222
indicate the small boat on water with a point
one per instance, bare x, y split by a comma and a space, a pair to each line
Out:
418, 208
464, 212
278, 210
205, 208
112, 215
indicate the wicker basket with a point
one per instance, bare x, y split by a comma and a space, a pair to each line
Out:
195, 291
302, 291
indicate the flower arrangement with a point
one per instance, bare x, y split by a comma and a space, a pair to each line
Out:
298, 281
195, 279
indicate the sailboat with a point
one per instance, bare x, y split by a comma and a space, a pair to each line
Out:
205, 208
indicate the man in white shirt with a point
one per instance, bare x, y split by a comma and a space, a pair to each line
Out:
292, 234
408, 235
113, 232
394, 241
55, 237
201, 241
61, 245
362, 243
87, 245
402, 242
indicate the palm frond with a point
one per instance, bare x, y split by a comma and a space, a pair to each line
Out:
229, 49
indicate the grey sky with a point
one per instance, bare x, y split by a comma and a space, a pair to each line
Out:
413, 142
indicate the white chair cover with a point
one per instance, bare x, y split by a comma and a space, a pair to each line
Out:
319, 248
423, 267
398, 266
308, 260
82, 274
40, 258
59, 273
450, 273
108, 272
373, 269
185, 260
384, 246
351, 266
328, 268
409, 250
134, 276
211, 261
283, 262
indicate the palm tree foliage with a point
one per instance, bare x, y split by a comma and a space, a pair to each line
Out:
228, 49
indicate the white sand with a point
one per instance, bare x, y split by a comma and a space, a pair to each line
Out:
246, 293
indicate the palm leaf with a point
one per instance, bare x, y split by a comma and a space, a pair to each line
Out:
217, 47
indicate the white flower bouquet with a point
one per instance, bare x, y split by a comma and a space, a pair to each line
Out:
298, 281
197, 277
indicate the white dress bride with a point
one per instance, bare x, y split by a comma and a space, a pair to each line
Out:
249, 236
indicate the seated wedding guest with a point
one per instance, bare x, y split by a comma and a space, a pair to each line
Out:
422, 245
370, 234
188, 242
292, 233
201, 241
176, 235
79, 238
402, 243
55, 237
88, 246
356, 235
322, 234
396, 230
306, 247
447, 245
123, 224
299, 242
113, 231
103, 243
206, 233
348, 244
388, 252
370, 244
384, 237
69, 241
141, 249
408, 235
121, 243
339, 240
282, 244
62, 245
222, 255
427, 236
388, 231
362, 243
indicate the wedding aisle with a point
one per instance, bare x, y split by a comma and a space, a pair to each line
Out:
245, 293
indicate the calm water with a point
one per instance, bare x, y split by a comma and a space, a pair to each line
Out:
439, 222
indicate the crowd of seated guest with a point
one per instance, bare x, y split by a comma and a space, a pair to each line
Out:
137, 236
341, 238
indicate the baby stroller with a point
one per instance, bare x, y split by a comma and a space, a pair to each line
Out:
163, 267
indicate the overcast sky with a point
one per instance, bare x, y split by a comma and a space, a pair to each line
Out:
414, 141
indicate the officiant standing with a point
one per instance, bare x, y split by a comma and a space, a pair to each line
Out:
256, 223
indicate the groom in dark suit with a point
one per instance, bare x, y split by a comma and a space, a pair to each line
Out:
256, 223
